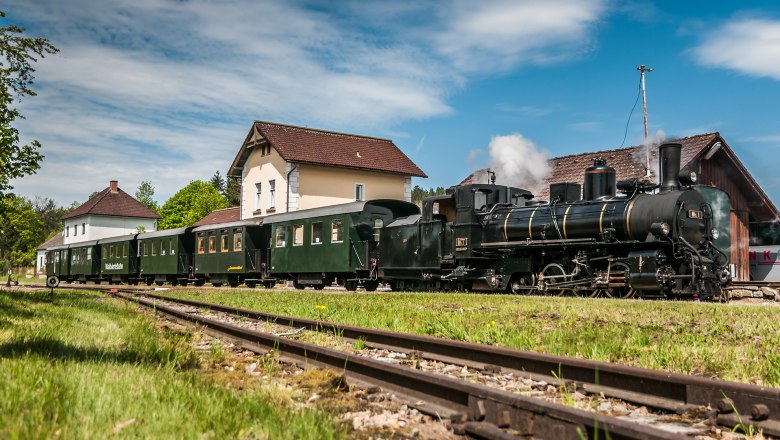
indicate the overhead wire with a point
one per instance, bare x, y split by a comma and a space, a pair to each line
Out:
638, 94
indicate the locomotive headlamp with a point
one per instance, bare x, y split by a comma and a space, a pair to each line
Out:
715, 233
688, 177
660, 229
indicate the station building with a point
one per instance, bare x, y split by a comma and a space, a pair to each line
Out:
285, 168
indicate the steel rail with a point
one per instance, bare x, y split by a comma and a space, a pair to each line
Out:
736, 403
487, 412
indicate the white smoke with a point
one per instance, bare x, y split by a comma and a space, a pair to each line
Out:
518, 162
650, 148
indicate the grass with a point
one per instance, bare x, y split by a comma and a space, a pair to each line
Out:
732, 342
80, 365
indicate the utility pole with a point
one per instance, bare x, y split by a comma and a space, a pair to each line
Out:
642, 69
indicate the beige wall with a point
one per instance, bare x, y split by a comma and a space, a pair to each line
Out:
312, 186
262, 169
323, 186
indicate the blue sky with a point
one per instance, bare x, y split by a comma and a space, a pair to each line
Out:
166, 90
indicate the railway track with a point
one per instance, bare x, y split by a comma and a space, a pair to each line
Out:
492, 413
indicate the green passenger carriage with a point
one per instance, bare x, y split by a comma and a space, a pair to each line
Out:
232, 253
118, 261
315, 247
57, 264
84, 262
165, 256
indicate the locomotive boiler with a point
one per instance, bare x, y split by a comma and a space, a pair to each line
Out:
649, 240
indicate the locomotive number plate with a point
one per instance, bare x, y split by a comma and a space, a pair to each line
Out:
461, 241
695, 214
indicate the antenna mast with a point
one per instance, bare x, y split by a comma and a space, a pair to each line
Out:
642, 69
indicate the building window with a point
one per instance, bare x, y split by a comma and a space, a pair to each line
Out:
337, 231
271, 194
378, 223
281, 236
224, 245
258, 199
201, 248
212, 243
360, 192
297, 235
316, 233
83, 228
67, 231
75, 230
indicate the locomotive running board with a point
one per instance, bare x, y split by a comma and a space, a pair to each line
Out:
533, 242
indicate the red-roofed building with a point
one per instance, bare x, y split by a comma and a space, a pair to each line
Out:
286, 168
109, 213
227, 215
708, 155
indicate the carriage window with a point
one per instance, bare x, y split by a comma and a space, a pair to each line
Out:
281, 238
238, 241
297, 235
146, 248
105, 252
201, 249
378, 224
171, 246
316, 233
154, 248
337, 231
212, 243
89, 253
225, 246
111, 251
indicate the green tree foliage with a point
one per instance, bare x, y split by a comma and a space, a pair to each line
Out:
50, 215
190, 204
218, 182
17, 54
418, 193
20, 232
233, 191
144, 195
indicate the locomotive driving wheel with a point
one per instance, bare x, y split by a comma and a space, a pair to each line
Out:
553, 274
625, 291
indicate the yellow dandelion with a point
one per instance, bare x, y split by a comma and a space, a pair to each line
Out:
320, 307
492, 322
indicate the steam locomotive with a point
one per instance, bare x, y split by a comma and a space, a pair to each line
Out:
649, 240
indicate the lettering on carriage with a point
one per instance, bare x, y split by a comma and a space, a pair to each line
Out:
235, 268
115, 266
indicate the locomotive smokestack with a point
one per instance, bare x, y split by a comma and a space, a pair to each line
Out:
669, 158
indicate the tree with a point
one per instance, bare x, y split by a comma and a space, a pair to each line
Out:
49, 214
144, 195
218, 182
17, 54
233, 191
418, 193
190, 204
20, 232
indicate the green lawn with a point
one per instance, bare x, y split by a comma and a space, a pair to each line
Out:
80, 365
733, 342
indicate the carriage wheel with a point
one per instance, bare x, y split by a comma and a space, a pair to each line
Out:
370, 286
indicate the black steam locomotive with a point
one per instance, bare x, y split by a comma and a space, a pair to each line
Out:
648, 240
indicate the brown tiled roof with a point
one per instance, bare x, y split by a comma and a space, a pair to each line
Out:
629, 163
226, 215
56, 240
321, 147
118, 204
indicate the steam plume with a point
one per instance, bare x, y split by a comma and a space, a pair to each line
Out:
518, 162
650, 147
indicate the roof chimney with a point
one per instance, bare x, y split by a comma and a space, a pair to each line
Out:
114, 185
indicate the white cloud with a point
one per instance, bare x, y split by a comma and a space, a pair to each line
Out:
748, 45
501, 34
165, 90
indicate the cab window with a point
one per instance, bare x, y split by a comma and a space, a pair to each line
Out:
238, 240
337, 231
281, 236
224, 238
316, 233
297, 235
